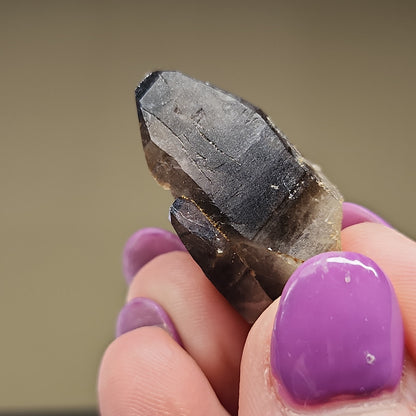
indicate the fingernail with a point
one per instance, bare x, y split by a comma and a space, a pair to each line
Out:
139, 312
355, 214
338, 330
146, 244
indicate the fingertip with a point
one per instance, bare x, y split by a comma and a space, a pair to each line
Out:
140, 312
128, 361
321, 347
145, 372
355, 214
144, 245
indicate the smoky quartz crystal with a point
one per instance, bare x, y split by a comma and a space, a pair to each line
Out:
249, 208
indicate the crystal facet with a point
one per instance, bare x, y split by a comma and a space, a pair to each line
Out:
249, 207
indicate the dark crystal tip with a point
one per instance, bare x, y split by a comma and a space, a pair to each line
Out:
146, 84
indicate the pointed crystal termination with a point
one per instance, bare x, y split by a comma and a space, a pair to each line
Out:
249, 207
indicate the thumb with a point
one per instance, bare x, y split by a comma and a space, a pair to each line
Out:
396, 255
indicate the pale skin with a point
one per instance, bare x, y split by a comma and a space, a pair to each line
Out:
223, 367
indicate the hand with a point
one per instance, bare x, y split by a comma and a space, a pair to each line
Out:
208, 361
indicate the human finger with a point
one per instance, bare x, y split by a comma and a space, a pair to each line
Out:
396, 255
330, 346
144, 245
211, 331
355, 214
145, 372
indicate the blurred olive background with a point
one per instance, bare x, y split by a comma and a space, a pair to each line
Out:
336, 76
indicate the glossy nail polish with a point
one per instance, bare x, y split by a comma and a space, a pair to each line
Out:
139, 312
355, 214
338, 330
146, 244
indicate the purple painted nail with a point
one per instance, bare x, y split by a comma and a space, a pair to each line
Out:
338, 330
146, 244
141, 312
355, 214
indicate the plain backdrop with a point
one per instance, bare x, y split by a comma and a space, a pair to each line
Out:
337, 77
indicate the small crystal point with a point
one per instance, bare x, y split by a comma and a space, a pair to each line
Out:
242, 180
